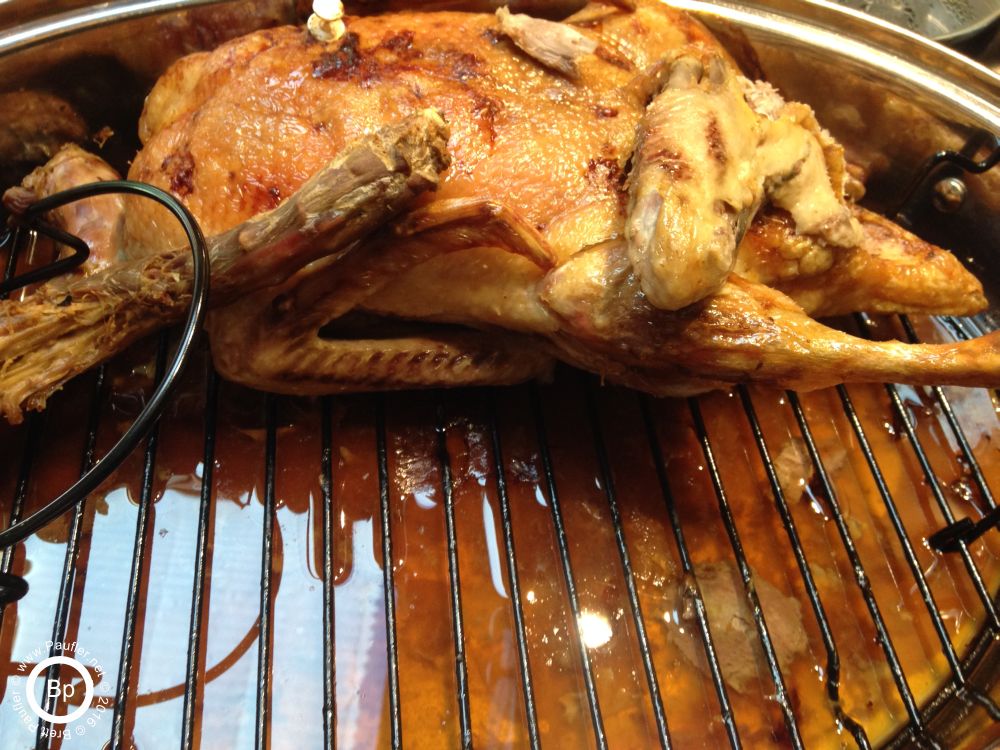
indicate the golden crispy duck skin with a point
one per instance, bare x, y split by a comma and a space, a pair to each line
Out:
545, 125
527, 231
69, 325
888, 271
236, 130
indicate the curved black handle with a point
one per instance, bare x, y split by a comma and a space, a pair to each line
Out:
151, 412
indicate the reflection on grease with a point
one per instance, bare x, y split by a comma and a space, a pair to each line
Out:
225, 714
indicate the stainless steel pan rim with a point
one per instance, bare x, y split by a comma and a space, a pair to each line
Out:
969, 87
76, 22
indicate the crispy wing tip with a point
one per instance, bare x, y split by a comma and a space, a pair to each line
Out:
309, 364
889, 271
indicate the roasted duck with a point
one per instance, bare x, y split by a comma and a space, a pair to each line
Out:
613, 194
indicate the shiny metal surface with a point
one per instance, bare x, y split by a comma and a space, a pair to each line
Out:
951, 20
77, 21
143, 35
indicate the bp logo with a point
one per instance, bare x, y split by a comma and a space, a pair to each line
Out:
58, 690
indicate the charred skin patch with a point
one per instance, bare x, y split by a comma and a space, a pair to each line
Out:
180, 168
465, 65
716, 146
486, 109
342, 63
400, 43
613, 58
493, 36
607, 174
672, 163
605, 112
393, 54
260, 197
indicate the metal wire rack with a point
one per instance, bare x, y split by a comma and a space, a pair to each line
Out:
922, 722
917, 732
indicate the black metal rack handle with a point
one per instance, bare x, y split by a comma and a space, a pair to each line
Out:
101, 470
81, 251
963, 160
951, 537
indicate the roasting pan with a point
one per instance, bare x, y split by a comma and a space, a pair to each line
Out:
558, 565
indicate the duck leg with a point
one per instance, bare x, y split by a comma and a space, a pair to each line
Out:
743, 332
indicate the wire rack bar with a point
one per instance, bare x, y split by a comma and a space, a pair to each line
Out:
135, 589
202, 561
65, 598
908, 552
32, 441
388, 584
513, 580
691, 590
861, 578
266, 618
781, 692
607, 481
596, 718
935, 487
329, 600
832, 656
455, 583
962, 328
968, 456
11, 263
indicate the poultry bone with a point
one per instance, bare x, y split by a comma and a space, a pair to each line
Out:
615, 195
